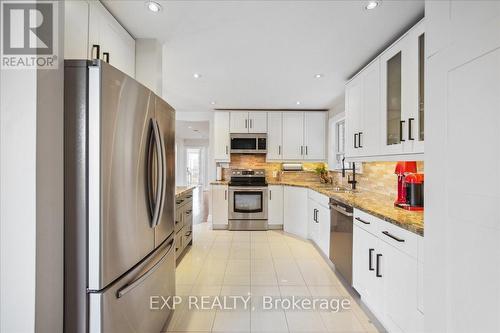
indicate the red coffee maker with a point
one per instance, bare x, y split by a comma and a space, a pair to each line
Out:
410, 185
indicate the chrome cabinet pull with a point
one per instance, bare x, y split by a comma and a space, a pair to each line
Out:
370, 263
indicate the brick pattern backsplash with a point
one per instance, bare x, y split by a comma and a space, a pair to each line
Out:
377, 177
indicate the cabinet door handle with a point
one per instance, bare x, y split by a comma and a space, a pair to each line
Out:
401, 123
370, 260
226, 150
246, 123
362, 221
105, 56
306, 150
270, 195
97, 49
355, 140
279, 150
251, 123
301, 150
225, 194
388, 234
410, 136
317, 220
377, 273
359, 140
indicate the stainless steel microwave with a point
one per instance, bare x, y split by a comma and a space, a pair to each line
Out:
248, 143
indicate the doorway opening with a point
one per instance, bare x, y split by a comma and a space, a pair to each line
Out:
194, 166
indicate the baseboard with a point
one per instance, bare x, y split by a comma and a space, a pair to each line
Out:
275, 226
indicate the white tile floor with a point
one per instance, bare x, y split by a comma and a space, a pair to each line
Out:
256, 264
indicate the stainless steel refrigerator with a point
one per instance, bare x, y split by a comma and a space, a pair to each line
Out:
119, 201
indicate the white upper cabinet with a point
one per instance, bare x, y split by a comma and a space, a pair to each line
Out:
293, 135
274, 136
91, 32
238, 122
401, 94
385, 102
257, 122
363, 112
221, 136
248, 122
314, 135
304, 135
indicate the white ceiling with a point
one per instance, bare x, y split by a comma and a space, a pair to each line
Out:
191, 129
264, 54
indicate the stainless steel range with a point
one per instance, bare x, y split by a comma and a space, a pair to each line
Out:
248, 199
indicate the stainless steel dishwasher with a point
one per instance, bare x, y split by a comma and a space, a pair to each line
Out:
341, 238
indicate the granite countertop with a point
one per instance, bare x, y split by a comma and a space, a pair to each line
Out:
179, 190
379, 205
376, 204
219, 182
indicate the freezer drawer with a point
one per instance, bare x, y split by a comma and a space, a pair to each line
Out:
125, 305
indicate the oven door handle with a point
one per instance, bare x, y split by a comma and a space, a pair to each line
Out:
247, 189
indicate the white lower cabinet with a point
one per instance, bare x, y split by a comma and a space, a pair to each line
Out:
219, 197
318, 221
385, 272
275, 207
295, 210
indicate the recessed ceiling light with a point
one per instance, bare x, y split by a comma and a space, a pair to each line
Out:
318, 76
213, 102
155, 7
372, 4
190, 127
298, 102
196, 75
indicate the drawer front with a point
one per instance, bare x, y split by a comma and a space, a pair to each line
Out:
319, 198
178, 243
398, 237
187, 236
366, 222
179, 219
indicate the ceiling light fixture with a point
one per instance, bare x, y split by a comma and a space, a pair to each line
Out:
318, 76
372, 5
298, 102
213, 102
155, 7
196, 75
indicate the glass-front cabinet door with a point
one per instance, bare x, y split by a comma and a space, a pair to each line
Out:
402, 94
393, 96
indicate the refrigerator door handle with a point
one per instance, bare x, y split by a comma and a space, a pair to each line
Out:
129, 286
155, 198
163, 164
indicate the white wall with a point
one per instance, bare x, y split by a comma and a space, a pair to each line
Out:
203, 116
31, 198
18, 200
